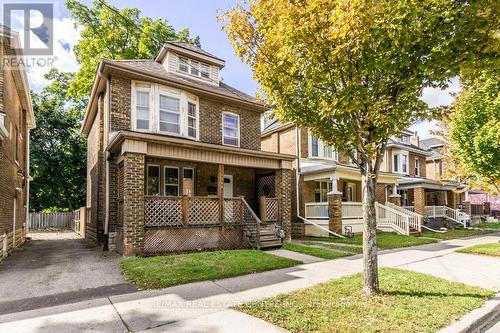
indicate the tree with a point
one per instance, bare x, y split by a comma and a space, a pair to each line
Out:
475, 129
353, 71
112, 33
57, 149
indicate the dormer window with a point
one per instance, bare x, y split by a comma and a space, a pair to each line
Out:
205, 71
194, 68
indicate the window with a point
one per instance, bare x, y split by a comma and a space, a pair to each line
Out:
417, 166
317, 148
405, 138
3, 129
404, 163
395, 165
314, 146
192, 119
183, 65
142, 110
321, 190
230, 129
153, 180
171, 181
351, 192
205, 71
195, 68
188, 181
169, 114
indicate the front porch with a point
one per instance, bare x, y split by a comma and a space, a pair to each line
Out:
171, 201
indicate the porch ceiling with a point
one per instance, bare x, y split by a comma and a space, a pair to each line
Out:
188, 150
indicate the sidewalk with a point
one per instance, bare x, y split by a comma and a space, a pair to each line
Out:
202, 306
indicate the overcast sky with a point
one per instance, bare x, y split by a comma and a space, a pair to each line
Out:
200, 17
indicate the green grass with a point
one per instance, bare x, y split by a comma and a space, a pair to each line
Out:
455, 233
489, 225
165, 271
491, 249
409, 302
384, 240
316, 251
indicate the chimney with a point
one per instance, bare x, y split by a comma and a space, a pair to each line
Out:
414, 140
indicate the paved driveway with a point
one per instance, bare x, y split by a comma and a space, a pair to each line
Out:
57, 268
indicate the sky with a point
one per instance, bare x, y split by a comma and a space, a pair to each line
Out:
200, 17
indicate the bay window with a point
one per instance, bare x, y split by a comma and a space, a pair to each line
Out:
317, 148
400, 161
161, 109
230, 129
417, 166
404, 163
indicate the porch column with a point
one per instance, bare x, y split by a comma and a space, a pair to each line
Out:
220, 191
466, 207
452, 199
394, 197
283, 189
133, 203
335, 208
487, 208
419, 198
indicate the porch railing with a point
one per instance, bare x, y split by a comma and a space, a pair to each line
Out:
316, 210
352, 210
389, 217
415, 220
447, 212
410, 208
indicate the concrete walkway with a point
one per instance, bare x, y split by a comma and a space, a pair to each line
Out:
57, 268
203, 306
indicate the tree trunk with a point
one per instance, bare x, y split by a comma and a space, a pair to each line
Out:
370, 264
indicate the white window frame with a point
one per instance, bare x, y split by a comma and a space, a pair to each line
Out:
207, 72
194, 65
154, 113
322, 183
187, 65
173, 96
417, 166
352, 188
321, 149
238, 131
399, 167
159, 178
165, 179
137, 87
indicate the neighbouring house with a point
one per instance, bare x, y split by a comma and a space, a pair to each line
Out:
16, 120
174, 160
329, 185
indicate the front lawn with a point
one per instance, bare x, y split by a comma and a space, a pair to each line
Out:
384, 240
165, 271
488, 225
408, 302
455, 233
316, 251
491, 249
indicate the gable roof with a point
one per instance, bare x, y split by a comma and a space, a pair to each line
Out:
431, 142
190, 51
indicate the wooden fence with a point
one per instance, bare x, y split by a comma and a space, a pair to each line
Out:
58, 220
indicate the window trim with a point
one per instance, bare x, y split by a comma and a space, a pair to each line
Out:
187, 65
159, 179
321, 149
191, 64
417, 166
165, 167
238, 128
133, 101
162, 92
197, 106
329, 186
399, 167
3, 130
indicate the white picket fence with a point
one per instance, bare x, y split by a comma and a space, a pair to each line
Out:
60, 220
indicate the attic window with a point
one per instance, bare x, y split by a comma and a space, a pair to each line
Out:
194, 68
205, 71
183, 65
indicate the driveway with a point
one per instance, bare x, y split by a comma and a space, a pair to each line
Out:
57, 268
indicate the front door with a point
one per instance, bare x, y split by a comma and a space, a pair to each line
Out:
228, 186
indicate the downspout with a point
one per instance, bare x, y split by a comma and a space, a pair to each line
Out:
28, 180
107, 155
297, 181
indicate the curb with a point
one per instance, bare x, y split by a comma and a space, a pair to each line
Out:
477, 319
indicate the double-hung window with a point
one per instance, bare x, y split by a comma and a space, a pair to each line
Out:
184, 65
404, 163
317, 148
230, 129
195, 68
142, 109
400, 162
417, 166
170, 115
192, 120
205, 71
171, 181
395, 165
321, 190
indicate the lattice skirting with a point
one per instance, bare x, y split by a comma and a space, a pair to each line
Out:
172, 240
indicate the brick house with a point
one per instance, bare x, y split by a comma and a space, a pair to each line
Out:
16, 120
329, 184
174, 159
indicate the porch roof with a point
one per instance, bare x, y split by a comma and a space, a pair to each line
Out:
189, 150
431, 184
326, 171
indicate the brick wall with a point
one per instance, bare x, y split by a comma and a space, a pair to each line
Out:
283, 193
133, 204
94, 176
120, 103
270, 142
411, 164
12, 157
